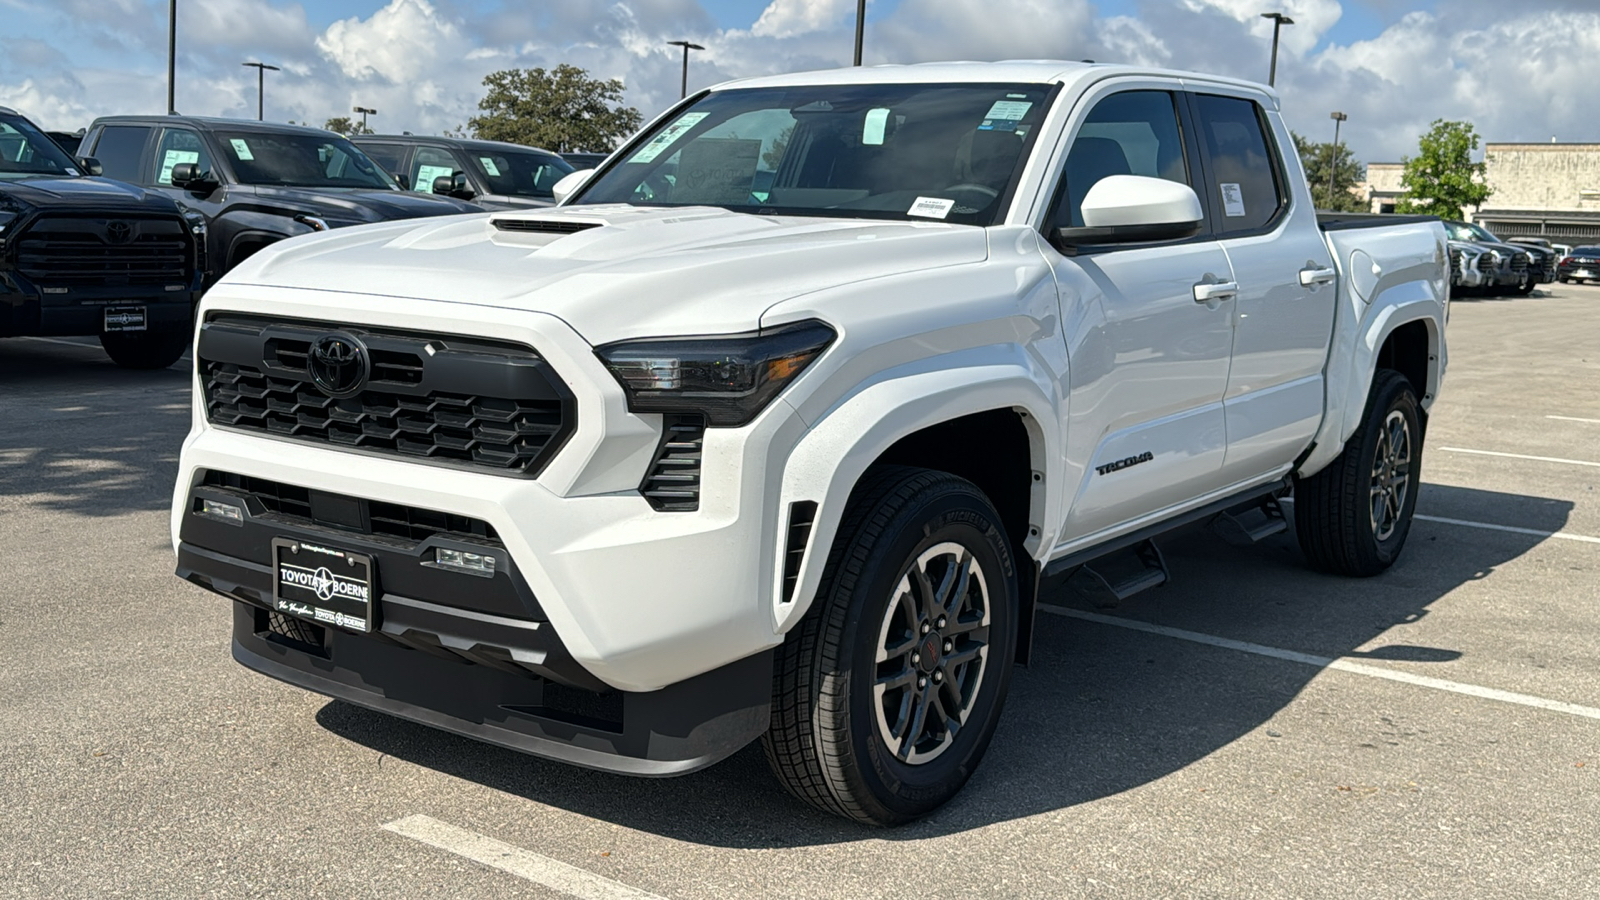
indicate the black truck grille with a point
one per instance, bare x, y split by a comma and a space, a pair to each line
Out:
673, 483
409, 523
69, 251
438, 399
1519, 262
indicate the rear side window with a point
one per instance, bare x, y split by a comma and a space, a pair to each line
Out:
1131, 133
119, 148
179, 145
1244, 173
386, 155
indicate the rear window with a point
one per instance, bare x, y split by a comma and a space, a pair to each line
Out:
119, 149
1242, 164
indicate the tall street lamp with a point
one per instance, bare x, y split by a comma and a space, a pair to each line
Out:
1278, 21
261, 85
172, 56
861, 26
364, 113
686, 48
1333, 163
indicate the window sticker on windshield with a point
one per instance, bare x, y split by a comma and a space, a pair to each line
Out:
489, 166
426, 175
1008, 109
876, 124
717, 171
1232, 200
241, 149
667, 137
173, 158
931, 207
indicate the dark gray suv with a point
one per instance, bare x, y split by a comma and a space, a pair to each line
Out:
492, 174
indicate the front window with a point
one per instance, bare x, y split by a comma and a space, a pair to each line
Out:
300, 160
26, 152
1461, 231
914, 152
518, 173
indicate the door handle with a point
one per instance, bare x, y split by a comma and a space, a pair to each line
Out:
1211, 293
1315, 275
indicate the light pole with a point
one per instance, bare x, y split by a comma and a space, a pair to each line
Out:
364, 113
1278, 21
1333, 162
261, 86
172, 56
861, 26
686, 48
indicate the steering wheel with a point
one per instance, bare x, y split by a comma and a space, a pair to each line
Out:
984, 189
654, 187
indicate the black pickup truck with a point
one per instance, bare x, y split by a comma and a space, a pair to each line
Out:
255, 183
81, 255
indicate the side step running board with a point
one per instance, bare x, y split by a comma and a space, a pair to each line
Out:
1108, 581
1251, 525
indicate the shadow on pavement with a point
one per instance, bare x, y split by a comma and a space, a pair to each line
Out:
1101, 710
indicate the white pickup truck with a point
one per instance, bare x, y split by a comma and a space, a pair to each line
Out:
773, 428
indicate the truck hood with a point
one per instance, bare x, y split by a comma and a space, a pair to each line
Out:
97, 194
615, 272
349, 204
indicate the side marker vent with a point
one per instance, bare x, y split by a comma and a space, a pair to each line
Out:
801, 517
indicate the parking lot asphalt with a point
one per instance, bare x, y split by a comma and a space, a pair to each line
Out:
1253, 729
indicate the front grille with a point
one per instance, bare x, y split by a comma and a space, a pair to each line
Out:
673, 484
1519, 262
1486, 263
409, 523
1455, 262
70, 251
544, 226
438, 399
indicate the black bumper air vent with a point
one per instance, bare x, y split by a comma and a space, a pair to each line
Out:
673, 484
86, 251
438, 399
801, 516
1455, 262
302, 506
543, 226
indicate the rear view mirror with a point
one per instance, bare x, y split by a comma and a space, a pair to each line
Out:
90, 165
564, 188
189, 177
454, 186
1124, 209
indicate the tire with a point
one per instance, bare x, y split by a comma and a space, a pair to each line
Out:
145, 349
1526, 287
1334, 510
831, 742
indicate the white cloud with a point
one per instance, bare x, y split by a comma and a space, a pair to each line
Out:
787, 18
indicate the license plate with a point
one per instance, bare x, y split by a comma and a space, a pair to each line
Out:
322, 584
125, 318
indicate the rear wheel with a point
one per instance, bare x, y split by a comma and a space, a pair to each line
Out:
1527, 286
886, 695
145, 349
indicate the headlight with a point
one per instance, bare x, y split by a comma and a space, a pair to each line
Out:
6, 218
313, 222
729, 378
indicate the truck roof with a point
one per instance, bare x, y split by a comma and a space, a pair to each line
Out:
211, 123
439, 140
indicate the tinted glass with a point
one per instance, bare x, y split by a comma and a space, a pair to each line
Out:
178, 145
1243, 170
300, 160
386, 155
430, 163
1132, 133
889, 151
26, 152
1585, 251
119, 148
518, 173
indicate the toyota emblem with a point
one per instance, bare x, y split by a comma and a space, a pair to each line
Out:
338, 364
119, 232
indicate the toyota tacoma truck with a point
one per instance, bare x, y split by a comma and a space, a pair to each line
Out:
772, 429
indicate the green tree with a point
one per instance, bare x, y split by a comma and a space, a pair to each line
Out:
1320, 161
562, 109
346, 126
1442, 180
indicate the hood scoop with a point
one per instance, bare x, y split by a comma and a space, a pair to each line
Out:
543, 226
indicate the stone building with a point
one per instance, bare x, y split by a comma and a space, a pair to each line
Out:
1543, 190
1382, 188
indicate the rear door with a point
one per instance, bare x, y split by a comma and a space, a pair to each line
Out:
1283, 318
120, 150
392, 158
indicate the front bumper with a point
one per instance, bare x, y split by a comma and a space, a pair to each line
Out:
82, 310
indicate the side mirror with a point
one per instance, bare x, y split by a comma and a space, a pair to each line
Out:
189, 177
90, 165
454, 186
1128, 209
564, 188
403, 180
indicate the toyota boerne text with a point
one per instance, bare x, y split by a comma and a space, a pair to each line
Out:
773, 427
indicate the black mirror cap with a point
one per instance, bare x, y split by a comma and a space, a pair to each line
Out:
1080, 236
90, 166
189, 175
454, 186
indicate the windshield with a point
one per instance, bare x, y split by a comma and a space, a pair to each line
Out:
1585, 251
518, 173
914, 151
25, 152
301, 160
1461, 231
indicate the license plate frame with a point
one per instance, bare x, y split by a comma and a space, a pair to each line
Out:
126, 318
325, 585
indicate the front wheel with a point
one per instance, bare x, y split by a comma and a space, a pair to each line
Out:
145, 349
886, 695
1352, 517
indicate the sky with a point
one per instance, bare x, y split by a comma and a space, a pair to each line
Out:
1519, 71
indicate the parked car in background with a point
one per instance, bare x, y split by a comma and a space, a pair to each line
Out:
255, 183
1466, 272
67, 140
1503, 266
493, 174
81, 255
582, 161
1582, 264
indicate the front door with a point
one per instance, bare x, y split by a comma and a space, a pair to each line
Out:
1149, 330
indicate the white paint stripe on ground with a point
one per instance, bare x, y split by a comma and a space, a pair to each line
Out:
1322, 662
1574, 419
1553, 459
535, 867
1565, 536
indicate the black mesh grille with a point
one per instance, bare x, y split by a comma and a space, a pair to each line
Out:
410, 523
73, 251
673, 484
434, 398
1455, 262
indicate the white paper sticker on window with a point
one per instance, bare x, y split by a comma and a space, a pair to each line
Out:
426, 174
1232, 200
667, 137
241, 150
931, 207
489, 166
877, 123
1008, 109
173, 158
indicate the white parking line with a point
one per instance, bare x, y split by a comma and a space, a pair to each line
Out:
1554, 459
1322, 662
1574, 419
535, 867
1565, 536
